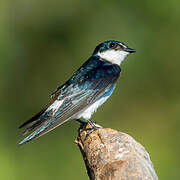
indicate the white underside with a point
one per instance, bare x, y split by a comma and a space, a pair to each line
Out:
114, 56
86, 114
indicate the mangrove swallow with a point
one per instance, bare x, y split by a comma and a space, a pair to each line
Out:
79, 97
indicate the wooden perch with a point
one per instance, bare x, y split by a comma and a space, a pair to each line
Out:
112, 155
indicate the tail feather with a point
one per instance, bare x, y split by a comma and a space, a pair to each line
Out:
50, 120
43, 129
56, 114
40, 122
33, 120
36, 117
33, 126
32, 135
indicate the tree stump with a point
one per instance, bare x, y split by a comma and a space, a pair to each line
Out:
112, 155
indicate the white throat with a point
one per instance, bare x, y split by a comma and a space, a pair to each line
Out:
113, 56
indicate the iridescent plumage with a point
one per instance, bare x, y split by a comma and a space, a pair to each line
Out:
88, 88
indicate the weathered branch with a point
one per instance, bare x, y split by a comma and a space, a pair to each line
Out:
112, 155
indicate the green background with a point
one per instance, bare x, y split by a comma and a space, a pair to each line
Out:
43, 42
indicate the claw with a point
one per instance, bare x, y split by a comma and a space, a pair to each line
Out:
93, 124
83, 123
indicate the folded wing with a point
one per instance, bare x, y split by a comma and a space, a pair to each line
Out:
72, 99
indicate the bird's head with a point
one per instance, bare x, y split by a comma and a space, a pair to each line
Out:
113, 51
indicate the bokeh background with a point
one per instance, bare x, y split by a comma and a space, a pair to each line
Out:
43, 42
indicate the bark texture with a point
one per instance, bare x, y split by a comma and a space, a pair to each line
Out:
112, 155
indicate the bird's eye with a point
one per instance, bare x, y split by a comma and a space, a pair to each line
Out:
112, 45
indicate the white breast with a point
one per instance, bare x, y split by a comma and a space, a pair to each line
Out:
86, 114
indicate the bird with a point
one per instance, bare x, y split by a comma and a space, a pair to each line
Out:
86, 90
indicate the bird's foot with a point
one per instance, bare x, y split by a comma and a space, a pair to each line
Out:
93, 128
83, 123
88, 128
93, 125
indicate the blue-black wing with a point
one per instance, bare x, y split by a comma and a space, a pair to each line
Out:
82, 90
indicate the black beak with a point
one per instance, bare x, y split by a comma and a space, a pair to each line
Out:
130, 50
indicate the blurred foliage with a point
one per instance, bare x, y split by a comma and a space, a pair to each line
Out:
43, 42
